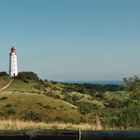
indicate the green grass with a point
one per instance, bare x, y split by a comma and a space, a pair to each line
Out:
21, 86
36, 107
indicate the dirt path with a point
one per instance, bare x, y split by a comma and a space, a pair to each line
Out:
6, 86
98, 123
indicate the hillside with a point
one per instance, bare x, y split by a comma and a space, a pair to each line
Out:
4, 80
34, 101
36, 107
107, 106
22, 101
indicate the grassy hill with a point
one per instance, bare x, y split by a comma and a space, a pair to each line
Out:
36, 107
32, 99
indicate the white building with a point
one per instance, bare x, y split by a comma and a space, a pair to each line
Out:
13, 70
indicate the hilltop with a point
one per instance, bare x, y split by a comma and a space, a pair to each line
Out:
30, 98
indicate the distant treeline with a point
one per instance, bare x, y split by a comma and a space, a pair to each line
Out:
90, 88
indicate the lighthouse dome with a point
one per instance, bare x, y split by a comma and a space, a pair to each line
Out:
13, 49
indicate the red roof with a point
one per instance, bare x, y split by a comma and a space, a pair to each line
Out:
13, 49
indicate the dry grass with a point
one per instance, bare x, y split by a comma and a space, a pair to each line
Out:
29, 125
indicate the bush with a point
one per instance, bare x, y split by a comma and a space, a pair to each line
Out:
8, 105
3, 98
10, 111
32, 116
132, 84
26, 76
40, 104
87, 107
3, 73
115, 103
125, 117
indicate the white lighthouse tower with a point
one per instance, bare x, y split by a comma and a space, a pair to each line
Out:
13, 71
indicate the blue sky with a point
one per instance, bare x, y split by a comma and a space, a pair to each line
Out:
72, 39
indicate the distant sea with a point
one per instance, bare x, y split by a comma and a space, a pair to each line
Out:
101, 82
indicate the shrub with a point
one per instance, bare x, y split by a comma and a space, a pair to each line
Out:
3, 73
32, 116
86, 107
40, 104
3, 98
10, 111
25, 76
8, 105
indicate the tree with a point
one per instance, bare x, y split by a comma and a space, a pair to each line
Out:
132, 84
25, 76
3, 73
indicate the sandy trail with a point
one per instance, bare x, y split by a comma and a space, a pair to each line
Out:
6, 86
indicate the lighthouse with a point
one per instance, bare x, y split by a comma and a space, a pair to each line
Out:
13, 71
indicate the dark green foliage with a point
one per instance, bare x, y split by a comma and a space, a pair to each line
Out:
3, 98
30, 115
48, 107
99, 95
86, 107
132, 84
72, 99
44, 106
40, 104
3, 73
115, 103
8, 105
91, 89
62, 106
51, 94
26, 76
135, 95
11, 111
130, 115
125, 117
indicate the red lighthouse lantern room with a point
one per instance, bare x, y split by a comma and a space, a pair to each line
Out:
13, 50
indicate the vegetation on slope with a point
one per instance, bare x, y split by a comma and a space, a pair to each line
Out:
30, 98
4, 80
36, 108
